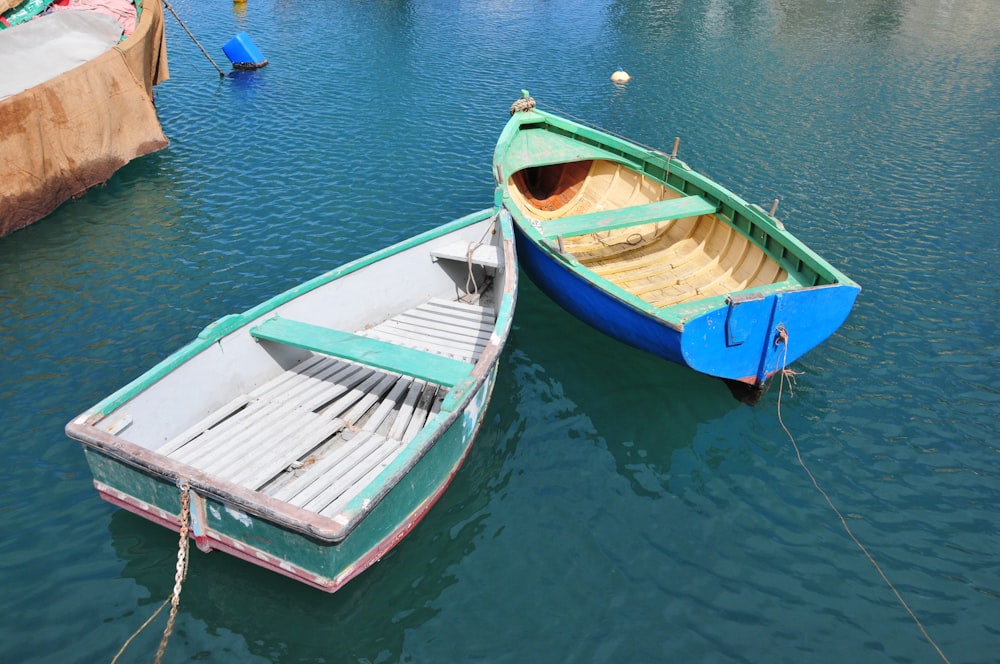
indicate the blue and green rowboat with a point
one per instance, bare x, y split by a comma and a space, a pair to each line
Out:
640, 246
311, 433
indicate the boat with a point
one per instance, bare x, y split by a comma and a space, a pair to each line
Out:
76, 99
309, 434
637, 244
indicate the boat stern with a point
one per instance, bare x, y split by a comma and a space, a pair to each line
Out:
754, 335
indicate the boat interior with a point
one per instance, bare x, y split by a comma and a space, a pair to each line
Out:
666, 249
350, 420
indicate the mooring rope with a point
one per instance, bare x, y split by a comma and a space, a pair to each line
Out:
470, 280
522, 104
193, 38
138, 631
184, 519
788, 374
471, 287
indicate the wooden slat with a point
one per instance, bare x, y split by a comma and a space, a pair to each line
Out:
352, 468
211, 420
440, 343
290, 382
439, 326
217, 416
407, 409
342, 405
319, 469
370, 398
283, 450
392, 402
242, 435
334, 507
430, 402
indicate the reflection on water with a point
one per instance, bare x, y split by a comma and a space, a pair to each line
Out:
597, 390
407, 580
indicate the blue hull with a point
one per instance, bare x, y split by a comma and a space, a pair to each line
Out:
746, 341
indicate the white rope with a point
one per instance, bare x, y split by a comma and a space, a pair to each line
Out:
790, 375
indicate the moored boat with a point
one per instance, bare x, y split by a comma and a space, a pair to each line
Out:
647, 250
76, 101
311, 433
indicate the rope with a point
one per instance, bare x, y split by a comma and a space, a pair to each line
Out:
790, 376
471, 287
136, 633
167, 5
522, 104
471, 279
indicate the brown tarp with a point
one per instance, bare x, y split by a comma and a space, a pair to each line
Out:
74, 131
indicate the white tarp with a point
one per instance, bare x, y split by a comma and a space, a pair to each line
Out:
34, 52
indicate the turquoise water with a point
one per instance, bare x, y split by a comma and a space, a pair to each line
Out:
616, 508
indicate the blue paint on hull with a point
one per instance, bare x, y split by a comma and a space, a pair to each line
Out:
741, 341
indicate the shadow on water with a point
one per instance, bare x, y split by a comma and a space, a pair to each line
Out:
642, 408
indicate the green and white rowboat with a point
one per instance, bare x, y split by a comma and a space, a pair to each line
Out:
311, 433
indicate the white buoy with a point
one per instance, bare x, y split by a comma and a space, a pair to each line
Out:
620, 76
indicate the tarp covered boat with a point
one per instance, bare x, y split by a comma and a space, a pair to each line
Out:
311, 433
76, 104
640, 246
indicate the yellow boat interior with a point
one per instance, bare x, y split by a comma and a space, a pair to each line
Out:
664, 262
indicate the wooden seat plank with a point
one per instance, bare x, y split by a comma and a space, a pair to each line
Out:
607, 220
365, 350
487, 255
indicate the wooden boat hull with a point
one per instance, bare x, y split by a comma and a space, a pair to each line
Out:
140, 457
658, 256
217, 524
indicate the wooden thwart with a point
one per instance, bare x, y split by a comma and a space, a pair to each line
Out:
487, 255
372, 352
609, 220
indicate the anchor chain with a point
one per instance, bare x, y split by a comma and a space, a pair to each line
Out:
181, 571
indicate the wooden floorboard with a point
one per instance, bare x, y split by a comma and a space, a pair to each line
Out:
318, 434
243, 435
453, 329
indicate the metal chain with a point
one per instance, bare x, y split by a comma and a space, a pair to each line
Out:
182, 559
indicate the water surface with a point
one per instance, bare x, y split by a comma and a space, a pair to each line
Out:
616, 507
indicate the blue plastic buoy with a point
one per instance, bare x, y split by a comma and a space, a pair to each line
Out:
243, 53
